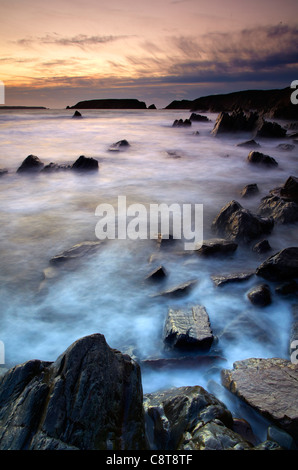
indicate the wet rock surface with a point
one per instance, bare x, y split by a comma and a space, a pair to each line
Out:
258, 158
280, 266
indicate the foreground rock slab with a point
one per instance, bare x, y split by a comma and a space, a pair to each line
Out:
270, 386
90, 398
188, 329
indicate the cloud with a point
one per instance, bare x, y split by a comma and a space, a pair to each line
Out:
79, 40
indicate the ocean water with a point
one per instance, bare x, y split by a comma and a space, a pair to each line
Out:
107, 293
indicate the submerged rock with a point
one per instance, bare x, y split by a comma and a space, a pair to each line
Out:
258, 158
85, 164
268, 385
250, 190
281, 266
178, 291
31, 164
51, 167
188, 329
120, 145
181, 123
76, 252
239, 224
90, 398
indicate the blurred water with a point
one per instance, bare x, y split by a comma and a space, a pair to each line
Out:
45, 214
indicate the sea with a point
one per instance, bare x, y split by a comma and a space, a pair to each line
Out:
107, 292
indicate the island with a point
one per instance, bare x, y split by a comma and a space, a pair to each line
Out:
109, 104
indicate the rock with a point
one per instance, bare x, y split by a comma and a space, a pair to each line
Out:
287, 288
242, 427
76, 252
237, 121
285, 147
250, 190
55, 167
188, 329
281, 266
90, 398
152, 106
258, 158
110, 104
31, 164
178, 291
247, 327
175, 416
268, 445
198, 118
281, 437
282, 203
294, 332
3, 171
260, 295
181, 123
120, 145
217, 246
262, 247
249, 144
157, 274
270, 129
231, 278
270, 386
239, 224
290, 189
77, 114
85, 164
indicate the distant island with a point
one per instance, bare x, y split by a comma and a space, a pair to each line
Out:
272, 103
109, 104
22, 107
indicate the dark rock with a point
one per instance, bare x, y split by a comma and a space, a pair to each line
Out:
239, 224
77, 114
31, 164
281, 437
181, 123
217, 246
242, 427
250, 190
80, 250
262, 247
281, 266
110, 104
175, 416
179, 290
237, 121
152, 106
268, 445
3, 171
258, 158
85, 164
157, 274
188, 329
290, 189
286, 147
90, 398
287, 288
249, 144
260, 295
270, 129
270, 386
231, 278
282, 203
52, 167
120, 145
198, 118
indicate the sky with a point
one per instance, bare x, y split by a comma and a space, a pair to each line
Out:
59, 52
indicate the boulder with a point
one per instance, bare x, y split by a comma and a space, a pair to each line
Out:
250, 190
90, 398
76, 115
262, 247
258, 158
188, 329
239, 224
287, 288
281, 266
31, 164
85, 164
268, 385
247, 327
152, 106
237, 121
120, 145
182, 418
294, 332
286, 147
217, 246
198, 118
260, 295
181, 123
270, 129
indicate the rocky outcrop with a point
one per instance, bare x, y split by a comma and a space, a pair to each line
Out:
270, 386
258, 158
239, 224
76, 115
217, 246
198, 118
110, 104
190, 418
282, 203
237, 121
270, 130
31, 164
281, 266
90, 398
181, 123
188, 329
85, 164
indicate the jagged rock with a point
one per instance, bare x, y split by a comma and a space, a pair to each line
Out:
85, 164
181, 123
239, 224
178, 291
282, 203
260, 295
270, 129
290, 189
31, 164
188, 329
76, 115
181, 418
90, 398
120, 145
270, 386
157, 274
258, 158
237, 121
249, 144
281, 266
250, 190
198, 118
76, 252
217, 246
231, 278
262, 247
